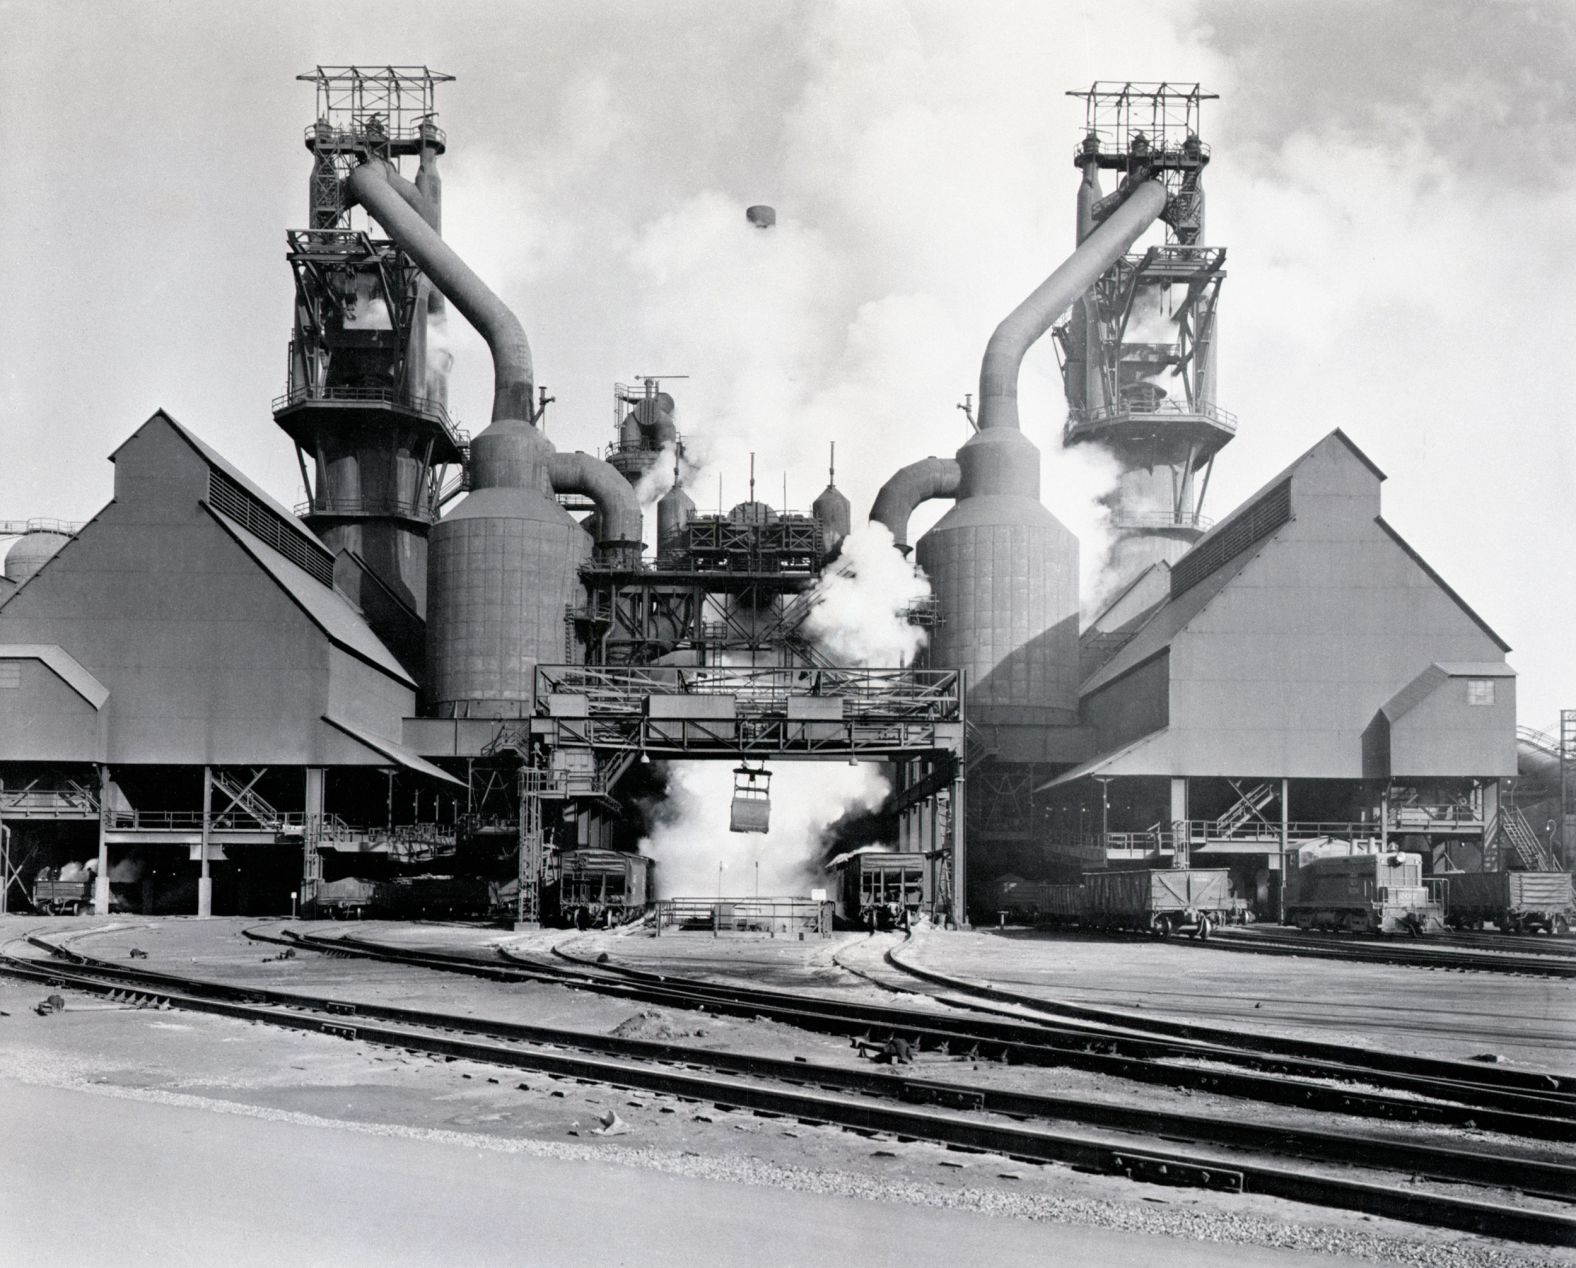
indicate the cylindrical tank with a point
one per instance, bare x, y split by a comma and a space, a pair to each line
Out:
1005, 574
757, 513
675, 509
835, 516
30, 552
504, 570
658, 429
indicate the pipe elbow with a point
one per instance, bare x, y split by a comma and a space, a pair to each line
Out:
918, 482
1018, 331
618, 508
513, 376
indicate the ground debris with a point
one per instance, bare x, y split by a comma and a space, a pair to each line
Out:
137, 953
648, 1023
611, 1125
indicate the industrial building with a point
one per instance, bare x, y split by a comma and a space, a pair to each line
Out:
458, 650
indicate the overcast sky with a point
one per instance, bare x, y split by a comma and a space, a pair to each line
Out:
1390, 181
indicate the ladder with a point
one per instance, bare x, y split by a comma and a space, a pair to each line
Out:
1247, 806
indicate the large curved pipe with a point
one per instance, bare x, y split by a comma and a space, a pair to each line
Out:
618, 507
512, 373
1029, 320
918, 482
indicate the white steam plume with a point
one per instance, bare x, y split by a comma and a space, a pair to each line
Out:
860, 605
690, 839
440, 356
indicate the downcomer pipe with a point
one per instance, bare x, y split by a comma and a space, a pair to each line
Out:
618, 506
1029, 320
513, 385
918, 482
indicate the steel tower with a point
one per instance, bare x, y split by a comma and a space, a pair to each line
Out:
365, 399
1138, 351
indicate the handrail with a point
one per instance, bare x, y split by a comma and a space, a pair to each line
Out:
18, 528
1101, 414
1161, 519
352, 140
420, 508
426, 406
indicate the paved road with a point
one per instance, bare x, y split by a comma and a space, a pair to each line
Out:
92, 1179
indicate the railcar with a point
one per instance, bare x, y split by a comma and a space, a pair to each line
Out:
1163, 901
883, 889
55, 897
406, 898
1514, 902
603, 887
1360, 893
1037, 902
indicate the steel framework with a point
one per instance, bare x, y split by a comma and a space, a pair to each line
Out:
1137, 353
366, 111
1567, 784
593, 722
1149, 130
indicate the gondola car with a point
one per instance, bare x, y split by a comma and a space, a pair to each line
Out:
1514, 902
1164, 901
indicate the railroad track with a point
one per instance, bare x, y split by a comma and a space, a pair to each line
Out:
959, 1116
1303, 1075
1335, 947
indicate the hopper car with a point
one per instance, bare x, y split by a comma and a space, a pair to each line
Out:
880, 889
602, 887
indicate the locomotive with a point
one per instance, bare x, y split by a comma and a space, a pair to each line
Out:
1333, 888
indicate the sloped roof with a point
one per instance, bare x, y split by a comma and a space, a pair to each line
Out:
214, 458
64, 665
1441, 583
1169, 620
324, 606
1136, 758
394, 751
1137, 580
1172, 618
1427, 682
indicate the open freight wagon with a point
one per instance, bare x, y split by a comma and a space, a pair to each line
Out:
1170, 901
1514, 902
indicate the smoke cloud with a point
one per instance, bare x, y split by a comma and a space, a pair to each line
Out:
859, 612
690, 840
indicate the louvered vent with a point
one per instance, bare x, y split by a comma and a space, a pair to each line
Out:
1253, 524
266, 524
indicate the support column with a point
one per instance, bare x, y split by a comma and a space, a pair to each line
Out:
101, 876
5, 867
1285, 836
311, 837
1491, 822
1180, 841
204, 880
960, 879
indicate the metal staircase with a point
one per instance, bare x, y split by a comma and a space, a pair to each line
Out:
1531, 853
243, 798
1246, 807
